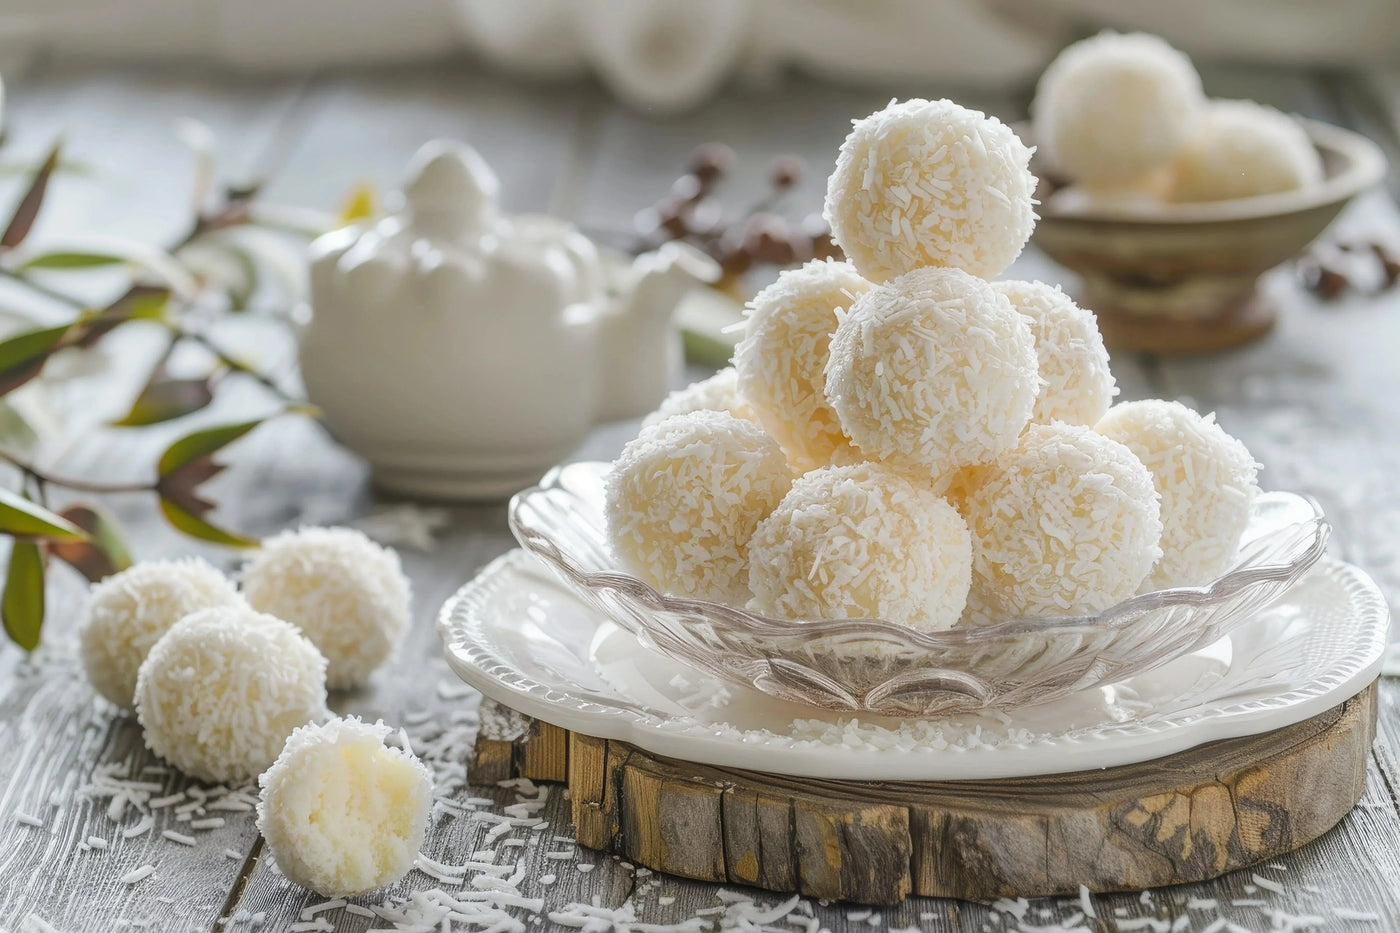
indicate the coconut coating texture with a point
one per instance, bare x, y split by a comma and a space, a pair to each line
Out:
1066, 523
129, 611
1112, 108
1242, 149
342, 812
221, 691
346, 593
1077, 384
781, 361
684, 498
719, 392
1207, 481
930, 183
932, 371
858, 542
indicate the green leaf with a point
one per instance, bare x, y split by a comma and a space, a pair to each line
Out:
166, 399
24, 518
196, 527
72, 260
105, 551
200, 445
27, 211
22, 606
139, 303
22, 357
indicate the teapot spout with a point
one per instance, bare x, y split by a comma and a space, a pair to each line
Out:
640, 351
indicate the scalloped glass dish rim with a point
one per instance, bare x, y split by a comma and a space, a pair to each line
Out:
761, 626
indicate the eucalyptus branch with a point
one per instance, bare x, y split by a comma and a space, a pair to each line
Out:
232, 363
44, 479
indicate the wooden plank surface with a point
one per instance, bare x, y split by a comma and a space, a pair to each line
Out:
1317, 402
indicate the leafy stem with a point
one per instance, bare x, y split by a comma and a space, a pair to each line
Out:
44, 479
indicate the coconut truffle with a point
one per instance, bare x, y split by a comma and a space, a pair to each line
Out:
1066, 523
346, 593
128, 612
930, 183
1206, 479
1242, 149
1112, 108
932, 371
342, 812
859, 542
719, 392
1077, 385
221, 691
781, 361
684, 498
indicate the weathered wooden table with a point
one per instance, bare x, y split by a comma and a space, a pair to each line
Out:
1317, 402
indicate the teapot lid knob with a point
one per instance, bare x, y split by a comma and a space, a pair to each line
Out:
451, 178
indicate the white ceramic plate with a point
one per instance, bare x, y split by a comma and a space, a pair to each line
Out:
518, 635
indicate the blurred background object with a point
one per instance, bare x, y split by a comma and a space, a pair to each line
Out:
663, 55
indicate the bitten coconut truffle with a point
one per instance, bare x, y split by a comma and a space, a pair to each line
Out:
1077, 384
719, 392
932, 371
1066, 523
128, 612
781, 361
1207, 481
221, 691
684, 498
859, 542
1113, 108
1242, 149
346, 593
930, 183
342, 812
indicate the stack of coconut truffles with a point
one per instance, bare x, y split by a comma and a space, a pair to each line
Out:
902, 437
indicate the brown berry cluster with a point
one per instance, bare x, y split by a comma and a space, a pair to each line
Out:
1331, 270
691, 211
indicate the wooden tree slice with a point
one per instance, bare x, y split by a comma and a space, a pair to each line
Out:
1187, 817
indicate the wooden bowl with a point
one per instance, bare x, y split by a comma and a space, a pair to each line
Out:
1181, 278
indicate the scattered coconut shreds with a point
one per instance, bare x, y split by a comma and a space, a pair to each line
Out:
24, 819
138, 874
1085, 902
233, 855
1268, 885
212, 822
1346, 913
181, 838
34, 923
140, 827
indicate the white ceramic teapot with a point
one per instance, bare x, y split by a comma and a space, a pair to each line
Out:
463, 352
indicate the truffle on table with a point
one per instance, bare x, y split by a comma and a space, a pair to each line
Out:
221, 691
684, 498
129, 611
781, 361
930, 183
1078, 385
932, 371
1206, 479
343, 591
1242, 149
858, 542
1114, 108
1066, 523
342, 812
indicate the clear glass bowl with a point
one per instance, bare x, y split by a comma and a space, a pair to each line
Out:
886, 668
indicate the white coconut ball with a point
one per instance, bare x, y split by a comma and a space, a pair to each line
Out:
1242, 149
1207, 481
129, 611
1077, 384
781, 361
684, 498
1066, 523
719, 392
342, 812
221, 691
859, 542
930, 183
1113, 108
932, 371
346, 593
